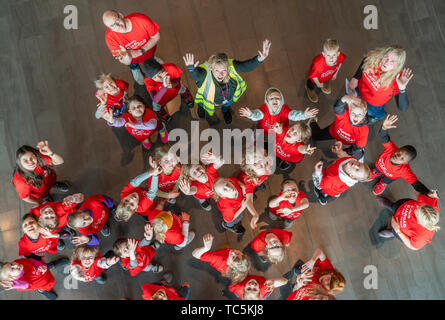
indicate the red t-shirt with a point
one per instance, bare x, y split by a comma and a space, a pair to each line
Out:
320, 266
249, 184
175, 73
287, 204
384, 165
116, 100
286, 151
140, 134
60, 209
144, 256
145, 204
259, 242
174, 233
36, 275
143, 28
342, 130
217, 259
302, 293
372, 91
320, 70
148, 290
100, 214
331, 183
25, 189
165, 182
269, 120
238, 288
205, 190
94, 270
418, 235
42, 245
227, 206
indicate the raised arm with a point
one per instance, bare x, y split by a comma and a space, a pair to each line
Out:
207, 240
46, 150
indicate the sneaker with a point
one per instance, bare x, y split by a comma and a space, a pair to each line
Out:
201, 112
386, 233
190, 239
312, 95
374, 174
188, 98
105, 230
227, 117
384, 202
57, 263
146, 143
288, 223
272, 216
379, 188
60, 245
262, 260
322, 202
138, 76
167, 277
172, 201
261, 187
284, 165
238, 229
326, 87
206, 205
163, 115
61, 186
164, 135
51, 295
157, 268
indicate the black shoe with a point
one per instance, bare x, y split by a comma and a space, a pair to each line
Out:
297, 267
262, 260
51, 295
227, 117
47, 198
238, 229
188, 98
288, 223
261, 187
101, 279
61, 186
60, 245
206, 205
105, 230
284, 165
57, 263
201, 112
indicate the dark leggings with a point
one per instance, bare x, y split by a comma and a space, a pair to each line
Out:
393, 210
386, 180
310, 85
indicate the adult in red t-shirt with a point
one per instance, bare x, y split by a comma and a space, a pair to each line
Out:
200, 179
393, 162
33, 178
350, 126
232, 263
414, 222
289, 203
379, 77
111, 93
270, 244
27, 275
256, 287
131, 39
324, 67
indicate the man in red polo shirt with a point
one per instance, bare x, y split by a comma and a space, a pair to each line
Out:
131, 39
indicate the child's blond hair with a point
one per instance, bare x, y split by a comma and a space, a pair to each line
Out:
100, 81
358, 103
331, 45
80, 251
223, 59
123, 212
238, 269
428, 217
304, 129
159, 229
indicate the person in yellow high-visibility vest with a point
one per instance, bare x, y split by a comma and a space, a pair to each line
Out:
223, 86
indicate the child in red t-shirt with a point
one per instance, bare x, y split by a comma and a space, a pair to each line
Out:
199, 179
232, 263
27, 275
135, 198
163, 83
87, 264
131, 39
161, 290
256, 287
231, 202
290, 143
139, 121
289, 203
274, 110
33, 177
414, 222
136, 255
324, 68
350, 126
270, 245
112, 94
393, 162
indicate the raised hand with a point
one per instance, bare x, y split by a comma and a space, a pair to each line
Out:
102, 96
173, 194
210, 157
113, 260
47, 234
245, 112
389, 121
184, 185
253, 222
353, 83
310, 113
7, 284
148, 232
189, 60
207, 239
185, 217
78, 240
262, 55
132, 244
44, 148
107, 115
278, 127
310, 150
403, 78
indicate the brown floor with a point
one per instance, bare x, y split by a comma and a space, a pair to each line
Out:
47, 92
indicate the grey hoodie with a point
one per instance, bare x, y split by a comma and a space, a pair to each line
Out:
294, 115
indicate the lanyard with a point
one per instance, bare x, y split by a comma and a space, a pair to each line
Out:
227, 93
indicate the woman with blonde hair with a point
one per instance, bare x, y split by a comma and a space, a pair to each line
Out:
256, 287
413, 222
232, 263
271, 244
218, 80
87, 264
379, 77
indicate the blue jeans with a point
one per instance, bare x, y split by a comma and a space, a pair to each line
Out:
375, 113
234, 222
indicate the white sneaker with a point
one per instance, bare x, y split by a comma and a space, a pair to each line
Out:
190, 239
386, 233
138, 76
